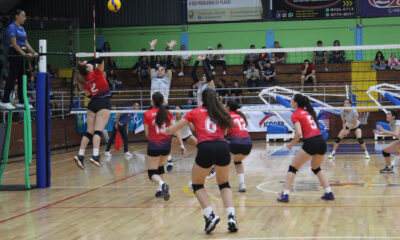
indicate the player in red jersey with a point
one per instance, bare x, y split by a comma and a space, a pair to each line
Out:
305, 123
155, 121
210, 121
98, 111
239, 140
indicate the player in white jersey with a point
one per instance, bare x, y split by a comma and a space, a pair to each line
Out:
186, 134
205, 81
161, 77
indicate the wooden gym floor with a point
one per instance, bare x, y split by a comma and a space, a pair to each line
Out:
117, 201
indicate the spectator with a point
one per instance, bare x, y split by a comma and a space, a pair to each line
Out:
236, 93
51, 70
250, 59
219, 60
308, 75
109, 62
143, 69
320, 56
210, 61
112, 79
222, 93
379, 62
393, 62
159, 62
193, 95
268, 74
183, 60
336, 56
253, 77
135, 67
278, 57
262, 58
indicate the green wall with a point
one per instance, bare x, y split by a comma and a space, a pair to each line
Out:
241, 35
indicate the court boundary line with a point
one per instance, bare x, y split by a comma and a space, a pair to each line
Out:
311, 237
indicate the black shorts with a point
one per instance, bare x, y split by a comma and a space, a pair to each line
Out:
158, 152
314, 145
213, 153
243, 149
184, 139
353, 129
97, 104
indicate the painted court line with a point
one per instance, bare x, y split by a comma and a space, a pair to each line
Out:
313, 237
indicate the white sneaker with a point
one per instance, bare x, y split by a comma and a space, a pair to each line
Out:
367, 156
21, 105
213, 73
7, 106
211, 175
331, 156
107, 154
326, 69
128, 154
242, 187
244, 72
181, 74
224, 73
212, 67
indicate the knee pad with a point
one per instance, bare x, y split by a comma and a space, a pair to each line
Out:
197, 187
151, 172
337, 140
160, 170
316, 171
224, 185
237, 163
360, 140
292, 169
97, 132
89, 135
385, 154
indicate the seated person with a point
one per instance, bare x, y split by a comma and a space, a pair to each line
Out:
219, 60
268, 74
112, 79
278, 57
308, 74
393, 62
379, 61
253, 77
250, 59
236, 93
183, 60
159, 62
262, 57
320, 56
210, 61
135, 67
336, 56
143, 69
109, 62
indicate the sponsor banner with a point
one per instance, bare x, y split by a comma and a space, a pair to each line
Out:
313, 9
136, 123
380, 8
259, 120
223, 10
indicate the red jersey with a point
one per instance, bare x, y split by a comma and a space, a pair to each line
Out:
238, 134
97, 84
206, 130
157, 137
307, 123
309, 69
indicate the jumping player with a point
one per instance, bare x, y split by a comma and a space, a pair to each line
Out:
98, 111
210, 122
306, 124
239, 140
350, 124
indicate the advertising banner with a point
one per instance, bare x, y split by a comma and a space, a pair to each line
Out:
223, 10
135, 125
371, 8
313, 9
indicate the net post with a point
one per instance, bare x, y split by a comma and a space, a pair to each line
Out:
42, 121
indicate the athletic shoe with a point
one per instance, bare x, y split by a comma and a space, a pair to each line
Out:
367, 156
326, 69
328, 196
165, 189
211, 175
331, 156
211, 222
79, 161
224, 73
128, 154
21, 105
232, 224
107, 154
159, 194
244, 72
7, 106
213, 73
242, 187
283, 198
170, 165
95, 160
181, 74
387, 170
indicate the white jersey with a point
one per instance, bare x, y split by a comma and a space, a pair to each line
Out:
185, 132
393, 127
161, 85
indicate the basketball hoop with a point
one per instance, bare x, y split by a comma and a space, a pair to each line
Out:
363, 117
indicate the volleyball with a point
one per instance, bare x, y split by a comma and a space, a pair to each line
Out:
114, 5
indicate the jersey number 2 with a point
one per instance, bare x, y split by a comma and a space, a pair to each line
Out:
240, 123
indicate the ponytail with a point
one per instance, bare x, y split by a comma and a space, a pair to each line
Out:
234, 106
162, 114
304, 102
215, 109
